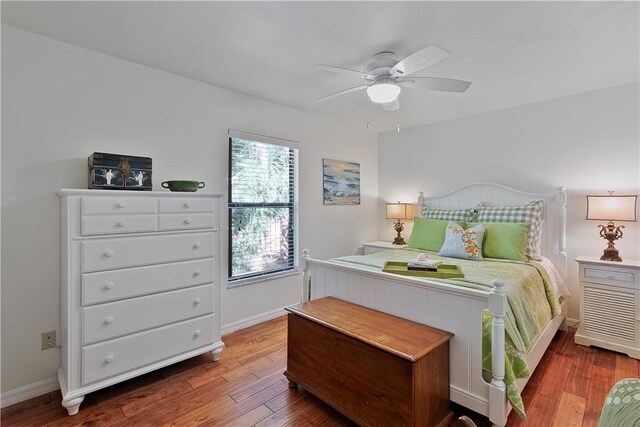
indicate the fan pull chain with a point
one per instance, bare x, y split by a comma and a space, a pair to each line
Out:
398, 120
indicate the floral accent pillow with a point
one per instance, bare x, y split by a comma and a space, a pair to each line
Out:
461, 243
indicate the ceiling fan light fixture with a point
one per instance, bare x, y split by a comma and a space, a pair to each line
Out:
382, 93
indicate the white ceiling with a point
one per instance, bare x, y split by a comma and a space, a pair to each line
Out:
513, 52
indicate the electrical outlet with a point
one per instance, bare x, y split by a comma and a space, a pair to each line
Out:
48, 340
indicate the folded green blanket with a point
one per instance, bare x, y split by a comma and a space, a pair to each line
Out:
531, 305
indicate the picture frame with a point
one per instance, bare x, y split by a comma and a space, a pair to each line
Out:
341, 182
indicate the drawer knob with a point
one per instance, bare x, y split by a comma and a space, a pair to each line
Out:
120, 205
197, 272
187, 205
196, 245
187, 221
121, 223
610, 276
108, 253
109, 358
197, 333
197, 301
109, 285
109, 320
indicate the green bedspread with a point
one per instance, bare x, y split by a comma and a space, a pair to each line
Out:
531, 305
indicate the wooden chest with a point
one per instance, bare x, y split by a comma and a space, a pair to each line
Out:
375, 368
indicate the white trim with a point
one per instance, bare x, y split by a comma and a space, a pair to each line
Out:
253, 320
247, 136
29, 391
262, 278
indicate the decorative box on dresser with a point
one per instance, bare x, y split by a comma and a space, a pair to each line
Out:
610, 305
139, 285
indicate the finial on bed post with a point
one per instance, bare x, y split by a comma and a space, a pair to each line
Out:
306, 275
421, 200
497, 388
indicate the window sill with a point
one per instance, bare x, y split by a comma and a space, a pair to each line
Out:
265, 278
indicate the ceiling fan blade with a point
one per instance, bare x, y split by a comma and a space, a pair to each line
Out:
341, 70
342, 92
418, 61
392, 106
437, 83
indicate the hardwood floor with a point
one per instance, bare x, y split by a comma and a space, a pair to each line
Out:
246, 387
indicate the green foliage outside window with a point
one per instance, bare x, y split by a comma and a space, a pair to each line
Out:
262, 190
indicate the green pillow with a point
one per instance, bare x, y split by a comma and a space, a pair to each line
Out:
505, 240
428, 234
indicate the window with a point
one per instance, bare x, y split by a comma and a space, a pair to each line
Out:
263, 193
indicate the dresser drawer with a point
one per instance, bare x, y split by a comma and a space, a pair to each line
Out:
117, 224
105, 254
609, 276
181, 205
118, 205
185, 221
133, 282
134, 351
115, 319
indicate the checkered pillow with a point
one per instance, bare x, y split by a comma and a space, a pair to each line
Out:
448, 214
531, 213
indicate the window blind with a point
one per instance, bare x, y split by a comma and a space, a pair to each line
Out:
263, 191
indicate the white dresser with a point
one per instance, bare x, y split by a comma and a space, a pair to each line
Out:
610, 305
140, 285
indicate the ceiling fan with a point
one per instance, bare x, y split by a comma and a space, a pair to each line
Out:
386, 76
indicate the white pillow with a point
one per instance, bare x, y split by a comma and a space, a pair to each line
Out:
461, 243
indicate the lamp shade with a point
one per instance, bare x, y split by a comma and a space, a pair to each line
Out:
399, 210
612, 208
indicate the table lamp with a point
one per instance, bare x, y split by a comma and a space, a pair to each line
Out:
399, 211
611, 208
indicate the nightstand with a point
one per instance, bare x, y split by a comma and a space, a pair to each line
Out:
380, 246
610, 305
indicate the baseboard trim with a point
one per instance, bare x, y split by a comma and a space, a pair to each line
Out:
253, 320
572, 322
29, 391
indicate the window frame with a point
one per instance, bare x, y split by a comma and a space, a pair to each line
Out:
292, 267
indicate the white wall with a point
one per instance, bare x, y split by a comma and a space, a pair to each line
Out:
60, 103
588, 143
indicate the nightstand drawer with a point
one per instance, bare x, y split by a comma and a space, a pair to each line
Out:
106, 321
609, 276
134, 351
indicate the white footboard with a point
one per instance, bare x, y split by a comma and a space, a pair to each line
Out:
454, 309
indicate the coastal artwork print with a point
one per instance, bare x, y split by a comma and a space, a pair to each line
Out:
341, 182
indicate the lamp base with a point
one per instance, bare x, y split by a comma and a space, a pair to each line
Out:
610, 255
399, 240
611, 233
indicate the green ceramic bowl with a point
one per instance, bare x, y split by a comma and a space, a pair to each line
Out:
181, 185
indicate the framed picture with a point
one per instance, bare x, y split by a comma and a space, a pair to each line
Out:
341, 182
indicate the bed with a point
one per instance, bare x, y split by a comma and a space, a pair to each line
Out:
453, 308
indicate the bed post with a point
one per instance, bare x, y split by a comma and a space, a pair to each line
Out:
420, 203
562, 238
497, 388
306, 275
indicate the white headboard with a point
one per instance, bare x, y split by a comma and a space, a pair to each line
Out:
554, 215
